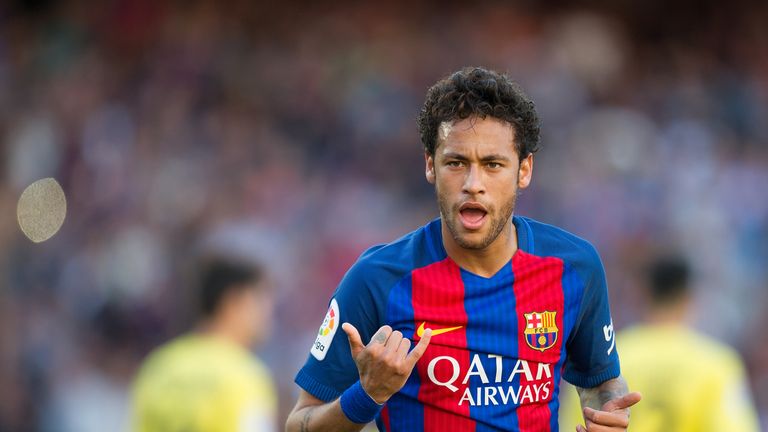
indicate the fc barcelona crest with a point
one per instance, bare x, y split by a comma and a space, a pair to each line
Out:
540, 330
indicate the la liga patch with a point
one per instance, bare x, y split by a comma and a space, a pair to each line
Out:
326, 332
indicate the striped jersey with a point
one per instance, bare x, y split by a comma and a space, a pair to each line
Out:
500, 345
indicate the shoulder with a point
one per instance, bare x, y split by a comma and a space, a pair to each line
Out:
165, 360
164, 355
192, 354
236, 370
245, 372
549, 240
705, 365
678, 341
385, 264
716, 351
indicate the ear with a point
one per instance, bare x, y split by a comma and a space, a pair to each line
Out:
430, 167
525, 172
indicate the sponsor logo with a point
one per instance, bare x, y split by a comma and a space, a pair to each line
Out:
326, 332
610, 336
435, 332
496, 385
541, 330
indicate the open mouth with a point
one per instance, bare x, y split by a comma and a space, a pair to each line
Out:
472, 215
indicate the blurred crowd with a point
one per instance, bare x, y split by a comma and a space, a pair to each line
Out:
287, 133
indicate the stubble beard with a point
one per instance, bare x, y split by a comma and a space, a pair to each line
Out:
497, 224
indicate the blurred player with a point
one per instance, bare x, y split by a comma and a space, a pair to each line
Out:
208, 381
498, 306
690, 382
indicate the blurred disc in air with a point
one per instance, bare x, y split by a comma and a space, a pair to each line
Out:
41, 210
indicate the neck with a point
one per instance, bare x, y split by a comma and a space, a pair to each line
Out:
219, 328
671, 314
487, 261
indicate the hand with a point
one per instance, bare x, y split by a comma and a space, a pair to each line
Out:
612, 417
385, 363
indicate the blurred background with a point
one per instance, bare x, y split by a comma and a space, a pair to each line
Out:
287, 132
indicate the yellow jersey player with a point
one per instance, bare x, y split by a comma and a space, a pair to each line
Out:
207, 380
690, 382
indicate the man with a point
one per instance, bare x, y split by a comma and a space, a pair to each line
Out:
690, 382
208, 380
497, 305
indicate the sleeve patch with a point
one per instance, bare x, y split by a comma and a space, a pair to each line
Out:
327, 330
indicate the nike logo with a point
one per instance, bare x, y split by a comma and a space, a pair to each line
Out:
435, 332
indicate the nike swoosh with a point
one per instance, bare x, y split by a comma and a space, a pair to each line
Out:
435, 332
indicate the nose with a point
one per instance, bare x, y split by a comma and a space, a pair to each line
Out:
473, 182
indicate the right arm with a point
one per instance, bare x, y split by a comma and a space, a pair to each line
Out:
312, 414
384, 366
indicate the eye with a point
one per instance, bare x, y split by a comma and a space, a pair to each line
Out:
494, 165
453, 164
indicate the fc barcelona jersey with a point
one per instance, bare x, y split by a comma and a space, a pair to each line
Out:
500, 345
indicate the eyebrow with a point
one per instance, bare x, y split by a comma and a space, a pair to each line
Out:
489, 158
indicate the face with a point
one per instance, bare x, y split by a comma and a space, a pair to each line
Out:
477, 173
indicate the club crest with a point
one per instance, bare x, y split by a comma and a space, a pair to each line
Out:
541, 330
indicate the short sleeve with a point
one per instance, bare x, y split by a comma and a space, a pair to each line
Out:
330, 369
591, 350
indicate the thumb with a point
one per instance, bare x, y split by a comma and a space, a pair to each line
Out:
355, 342
623, 402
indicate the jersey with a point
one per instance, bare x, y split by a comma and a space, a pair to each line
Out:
689, 382
499, 345
203, 383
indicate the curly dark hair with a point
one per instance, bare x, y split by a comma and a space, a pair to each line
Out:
474, 91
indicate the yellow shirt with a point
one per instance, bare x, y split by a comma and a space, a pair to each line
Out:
200, 383
689, 382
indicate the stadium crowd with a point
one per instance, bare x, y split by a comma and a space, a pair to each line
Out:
287, 133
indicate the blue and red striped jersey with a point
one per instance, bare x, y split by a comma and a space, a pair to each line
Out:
500, 345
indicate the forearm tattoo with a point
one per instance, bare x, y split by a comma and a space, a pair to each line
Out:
596, 397
306, 419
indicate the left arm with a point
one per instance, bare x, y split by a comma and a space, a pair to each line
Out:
592, 364
606, 407
596, 397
